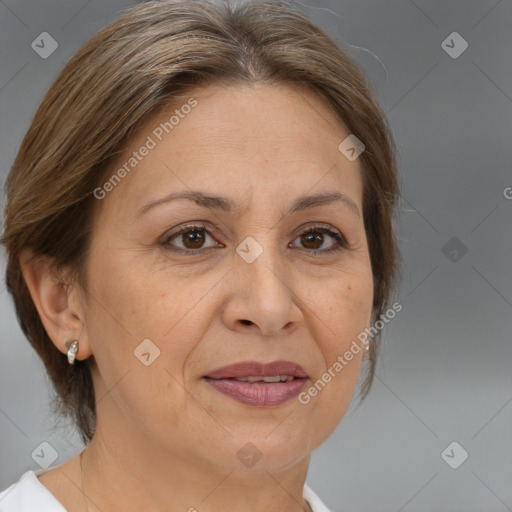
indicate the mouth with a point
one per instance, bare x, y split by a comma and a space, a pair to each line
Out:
275, 378
259, 384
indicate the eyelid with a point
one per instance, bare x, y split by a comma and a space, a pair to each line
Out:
185, 228
341, 241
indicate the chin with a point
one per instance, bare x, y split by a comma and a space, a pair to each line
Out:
268, 450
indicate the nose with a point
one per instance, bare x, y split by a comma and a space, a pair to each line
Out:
263, 297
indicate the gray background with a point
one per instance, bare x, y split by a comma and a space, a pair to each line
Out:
445, 372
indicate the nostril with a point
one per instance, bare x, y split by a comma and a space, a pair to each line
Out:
246, 322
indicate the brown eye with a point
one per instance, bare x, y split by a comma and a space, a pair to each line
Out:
193, 239
312, 241
315, 237
189, 239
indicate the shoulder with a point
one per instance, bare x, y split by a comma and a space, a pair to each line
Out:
29, 494
316, 504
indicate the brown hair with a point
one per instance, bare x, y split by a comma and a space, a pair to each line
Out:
137, 64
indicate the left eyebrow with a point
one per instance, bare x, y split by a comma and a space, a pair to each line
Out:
225, 204
306, 202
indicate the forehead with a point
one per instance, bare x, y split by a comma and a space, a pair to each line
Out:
243, 141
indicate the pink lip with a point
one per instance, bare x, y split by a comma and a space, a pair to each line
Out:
258, 394
255, 369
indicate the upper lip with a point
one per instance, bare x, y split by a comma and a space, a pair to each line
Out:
256, 369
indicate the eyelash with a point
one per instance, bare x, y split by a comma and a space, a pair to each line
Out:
340, 244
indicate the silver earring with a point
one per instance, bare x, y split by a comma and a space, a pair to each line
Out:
72, 350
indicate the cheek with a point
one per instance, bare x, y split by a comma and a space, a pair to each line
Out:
132, 305
343, 305
342, 310
134, 315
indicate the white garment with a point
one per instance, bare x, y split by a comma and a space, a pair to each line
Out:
28, 494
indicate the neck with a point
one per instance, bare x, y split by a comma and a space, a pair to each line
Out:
119, 473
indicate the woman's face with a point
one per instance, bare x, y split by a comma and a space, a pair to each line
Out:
242, 284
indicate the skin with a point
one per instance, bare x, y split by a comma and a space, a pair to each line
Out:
166, 440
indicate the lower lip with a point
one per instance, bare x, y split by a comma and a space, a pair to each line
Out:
259, 394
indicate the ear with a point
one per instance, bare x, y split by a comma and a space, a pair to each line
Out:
59, 304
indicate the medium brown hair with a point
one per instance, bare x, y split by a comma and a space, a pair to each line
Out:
133, 67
